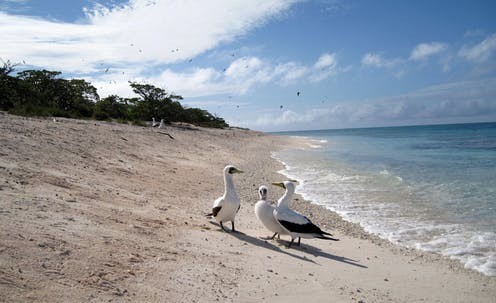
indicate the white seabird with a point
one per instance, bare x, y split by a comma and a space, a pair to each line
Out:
264, 210
226, 207
162, 124
296, 224
154, 123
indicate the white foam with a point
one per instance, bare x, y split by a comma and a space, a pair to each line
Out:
314, 145
363, 199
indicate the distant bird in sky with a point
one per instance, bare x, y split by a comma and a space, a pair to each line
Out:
107, 70
280, 106
296, 224
298, 94
227, 206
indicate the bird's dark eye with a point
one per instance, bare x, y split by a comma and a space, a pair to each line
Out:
232, 170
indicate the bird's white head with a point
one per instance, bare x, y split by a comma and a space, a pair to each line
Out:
230, 169
262, 192
288, 185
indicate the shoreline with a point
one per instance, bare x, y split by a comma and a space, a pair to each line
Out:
118, 215
307, 143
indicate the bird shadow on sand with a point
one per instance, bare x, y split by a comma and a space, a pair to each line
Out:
260, 242
317, 252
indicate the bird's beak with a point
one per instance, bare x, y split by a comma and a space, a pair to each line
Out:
280, 184
237, 171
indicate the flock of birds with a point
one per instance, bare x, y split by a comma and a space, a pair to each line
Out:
278, 218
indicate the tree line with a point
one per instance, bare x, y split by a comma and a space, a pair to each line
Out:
45, 93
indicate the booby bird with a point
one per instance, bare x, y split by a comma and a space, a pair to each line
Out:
296, 224
264, 210
155, 123
226, 207
162, 124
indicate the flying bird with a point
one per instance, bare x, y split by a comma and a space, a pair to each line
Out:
226, 207
264, 211
298, 94
296, 224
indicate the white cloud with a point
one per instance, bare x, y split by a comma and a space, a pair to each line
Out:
470, 100
325, 67
290, 72
480, 52
424, 50
376, 60
239, 77
140, 32
326, 61
138, 41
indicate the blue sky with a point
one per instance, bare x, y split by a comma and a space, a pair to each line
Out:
355, 63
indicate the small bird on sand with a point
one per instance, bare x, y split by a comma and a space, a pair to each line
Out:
162, 124
264, 210
155, 123
226, 207
296, 224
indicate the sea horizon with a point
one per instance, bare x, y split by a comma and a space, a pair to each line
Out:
378, 127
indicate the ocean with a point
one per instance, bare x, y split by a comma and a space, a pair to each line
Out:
428, 187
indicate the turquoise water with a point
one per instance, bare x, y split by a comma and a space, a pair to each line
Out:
428, 187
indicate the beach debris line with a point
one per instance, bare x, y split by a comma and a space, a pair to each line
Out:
264, 211
296, 224
167, 134
227, 206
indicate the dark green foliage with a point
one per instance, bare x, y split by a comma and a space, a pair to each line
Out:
112, 107
202, 117
156, 103
43, 93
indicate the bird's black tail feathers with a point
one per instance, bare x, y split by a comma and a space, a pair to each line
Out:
323, 236
210, 215
328, 238
325, 233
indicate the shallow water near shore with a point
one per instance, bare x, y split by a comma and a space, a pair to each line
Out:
428, 187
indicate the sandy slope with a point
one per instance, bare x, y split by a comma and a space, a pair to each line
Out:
96, 211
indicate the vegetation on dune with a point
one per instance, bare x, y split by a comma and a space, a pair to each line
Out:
44, 93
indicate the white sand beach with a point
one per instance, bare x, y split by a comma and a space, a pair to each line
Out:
105, 212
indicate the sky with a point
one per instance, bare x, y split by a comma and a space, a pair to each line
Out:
273, 65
